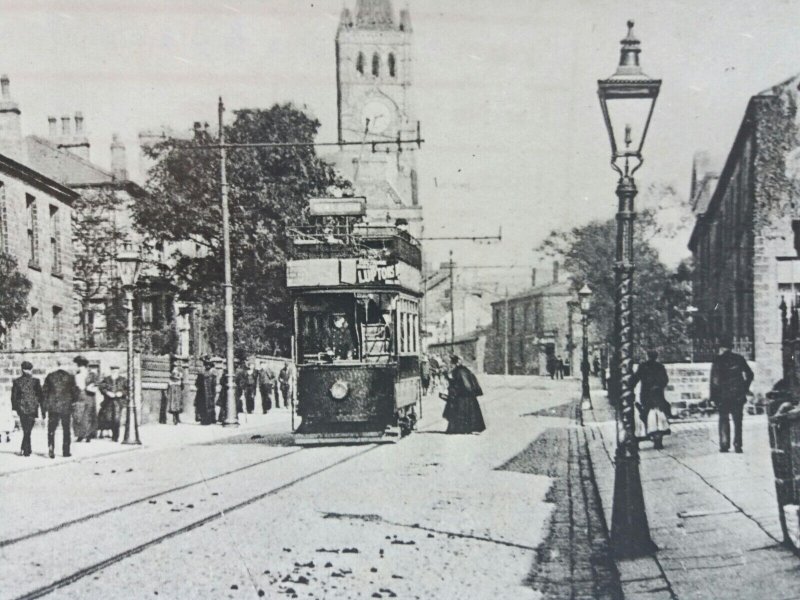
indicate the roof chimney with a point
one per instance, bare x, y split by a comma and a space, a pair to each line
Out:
10, 123
65, 128
533, 277
52, 123
119, 159
555, 271
78, 123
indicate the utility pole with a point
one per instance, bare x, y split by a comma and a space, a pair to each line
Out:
231, 416
452, 307
505, 335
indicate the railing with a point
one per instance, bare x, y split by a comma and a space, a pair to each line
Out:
358, 241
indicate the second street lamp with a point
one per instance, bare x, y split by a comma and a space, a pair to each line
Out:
585, 296
128, 263
627, 99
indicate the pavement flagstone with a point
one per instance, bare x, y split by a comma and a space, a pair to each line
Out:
713, 516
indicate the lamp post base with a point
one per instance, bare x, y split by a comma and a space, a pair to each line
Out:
630, 533
131, 442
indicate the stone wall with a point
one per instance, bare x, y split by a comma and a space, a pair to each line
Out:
52, 288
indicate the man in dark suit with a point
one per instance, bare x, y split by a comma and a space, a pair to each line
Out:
115, 393
26, 398
60, 393
266, 387
730, 380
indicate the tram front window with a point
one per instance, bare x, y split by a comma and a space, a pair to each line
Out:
338, 328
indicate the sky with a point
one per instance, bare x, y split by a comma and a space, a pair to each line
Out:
505, 89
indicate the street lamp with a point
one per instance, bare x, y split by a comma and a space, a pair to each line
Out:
627, 99
691, 311
585, 296
128, 263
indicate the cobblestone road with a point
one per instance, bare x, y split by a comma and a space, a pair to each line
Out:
574, 561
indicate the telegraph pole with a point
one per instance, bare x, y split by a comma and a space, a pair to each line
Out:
452, 307
505, 334
231, 416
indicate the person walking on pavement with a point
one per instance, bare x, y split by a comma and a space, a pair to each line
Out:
246, 381
285, 382
266, 387
60, 394
27, 400
85, 409
730, 381
462, 411
653, 407
206, 386
114, 390
174, 395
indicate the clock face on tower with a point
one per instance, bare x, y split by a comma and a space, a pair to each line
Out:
376, 116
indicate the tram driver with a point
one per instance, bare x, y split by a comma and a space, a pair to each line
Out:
341, 343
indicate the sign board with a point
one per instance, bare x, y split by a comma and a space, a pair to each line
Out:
374, 271
334, 272
688, 384
338, 207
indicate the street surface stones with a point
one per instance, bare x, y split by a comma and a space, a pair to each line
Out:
212, 513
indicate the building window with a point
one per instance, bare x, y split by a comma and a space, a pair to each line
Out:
34, 332
497, 321
376, 65
33, 231
147, 312
360, 63
55, 240
526, 319
512, 324
57, 326
3, 220
392, 65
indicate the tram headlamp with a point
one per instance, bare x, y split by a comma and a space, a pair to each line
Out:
339, 390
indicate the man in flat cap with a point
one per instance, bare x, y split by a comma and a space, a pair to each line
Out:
60, 393
26, 399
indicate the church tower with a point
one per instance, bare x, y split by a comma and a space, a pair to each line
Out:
373, 80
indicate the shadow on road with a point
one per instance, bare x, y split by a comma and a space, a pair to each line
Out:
267, 439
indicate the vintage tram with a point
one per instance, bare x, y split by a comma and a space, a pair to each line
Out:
356, 289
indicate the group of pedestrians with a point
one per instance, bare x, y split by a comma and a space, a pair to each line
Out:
557, 368
81, 402
210, 403
729, 384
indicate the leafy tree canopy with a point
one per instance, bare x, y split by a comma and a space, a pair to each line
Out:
661, 295
268, 191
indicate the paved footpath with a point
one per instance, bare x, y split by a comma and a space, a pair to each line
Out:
713, 516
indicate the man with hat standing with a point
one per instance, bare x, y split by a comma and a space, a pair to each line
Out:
730, 380
115, 392
60, 393
26, 398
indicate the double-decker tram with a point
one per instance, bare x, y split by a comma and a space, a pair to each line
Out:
356, 289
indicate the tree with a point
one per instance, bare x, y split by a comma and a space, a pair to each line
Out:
661, 295
14, 290
97, 234
269, 189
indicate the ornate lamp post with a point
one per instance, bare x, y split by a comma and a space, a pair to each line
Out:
128, 263
585, 296
627, 99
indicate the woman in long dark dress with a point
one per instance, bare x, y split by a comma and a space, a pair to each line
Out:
653, 407
84, 411
462, 411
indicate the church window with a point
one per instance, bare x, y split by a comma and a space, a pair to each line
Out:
360, 63
376, 65
392, 65
33, 231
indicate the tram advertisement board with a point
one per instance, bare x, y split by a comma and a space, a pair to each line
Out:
373, 271
332, 272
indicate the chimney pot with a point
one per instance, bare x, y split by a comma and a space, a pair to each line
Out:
533, 277
78, 123
5, 85
119, 160
52, 122
65, 129
555, 271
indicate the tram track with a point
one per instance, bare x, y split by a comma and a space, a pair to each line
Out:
149, 497
218, 514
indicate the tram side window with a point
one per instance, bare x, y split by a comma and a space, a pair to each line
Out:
408, 326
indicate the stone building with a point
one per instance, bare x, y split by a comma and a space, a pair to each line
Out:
746, 237
529, 327
374, 103
35, 229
